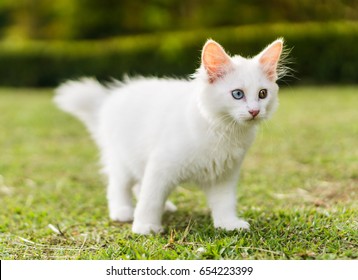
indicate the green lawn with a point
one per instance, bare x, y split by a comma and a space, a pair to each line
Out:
298, 189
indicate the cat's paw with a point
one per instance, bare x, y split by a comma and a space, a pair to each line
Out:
170, 206
145, 229
122, 214
232, 224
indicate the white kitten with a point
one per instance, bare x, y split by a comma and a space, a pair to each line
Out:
157, 133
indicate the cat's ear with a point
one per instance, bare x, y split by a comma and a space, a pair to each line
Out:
215, 60
269, 59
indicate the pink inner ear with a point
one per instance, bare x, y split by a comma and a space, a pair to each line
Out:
215, 60
269, 59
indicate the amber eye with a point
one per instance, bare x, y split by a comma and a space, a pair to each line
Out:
263, 93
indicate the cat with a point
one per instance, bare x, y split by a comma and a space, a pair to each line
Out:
155, 133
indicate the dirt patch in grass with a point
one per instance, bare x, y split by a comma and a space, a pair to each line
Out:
325, 194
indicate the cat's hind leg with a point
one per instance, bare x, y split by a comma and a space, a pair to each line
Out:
170, 206
119, 195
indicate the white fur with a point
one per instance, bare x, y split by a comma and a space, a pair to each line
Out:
156, 133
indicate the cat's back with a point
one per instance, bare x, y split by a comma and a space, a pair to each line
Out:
148, 100
151, 90
146, 106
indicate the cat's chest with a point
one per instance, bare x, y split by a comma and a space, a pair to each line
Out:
215, 165
212, 162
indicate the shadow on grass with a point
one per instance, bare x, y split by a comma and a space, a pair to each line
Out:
196, 223
276, 234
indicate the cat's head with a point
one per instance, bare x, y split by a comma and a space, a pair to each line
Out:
243, 89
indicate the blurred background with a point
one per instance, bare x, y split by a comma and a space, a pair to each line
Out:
43, 42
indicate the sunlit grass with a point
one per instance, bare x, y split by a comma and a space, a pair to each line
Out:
298, 188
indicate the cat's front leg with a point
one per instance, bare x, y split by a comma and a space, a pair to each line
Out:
169, 206
150, 206
222, 202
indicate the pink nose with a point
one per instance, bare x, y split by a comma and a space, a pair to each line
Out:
254, 113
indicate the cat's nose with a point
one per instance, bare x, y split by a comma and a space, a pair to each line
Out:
254, 113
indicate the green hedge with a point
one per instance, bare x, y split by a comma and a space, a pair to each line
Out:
322, 53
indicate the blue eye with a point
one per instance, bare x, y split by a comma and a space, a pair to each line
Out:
238, 94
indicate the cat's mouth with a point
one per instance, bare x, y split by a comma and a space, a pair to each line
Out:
253, 119
249, 120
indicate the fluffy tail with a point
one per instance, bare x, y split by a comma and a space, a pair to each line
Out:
82, 99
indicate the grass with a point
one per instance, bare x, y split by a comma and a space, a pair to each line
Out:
298, 189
